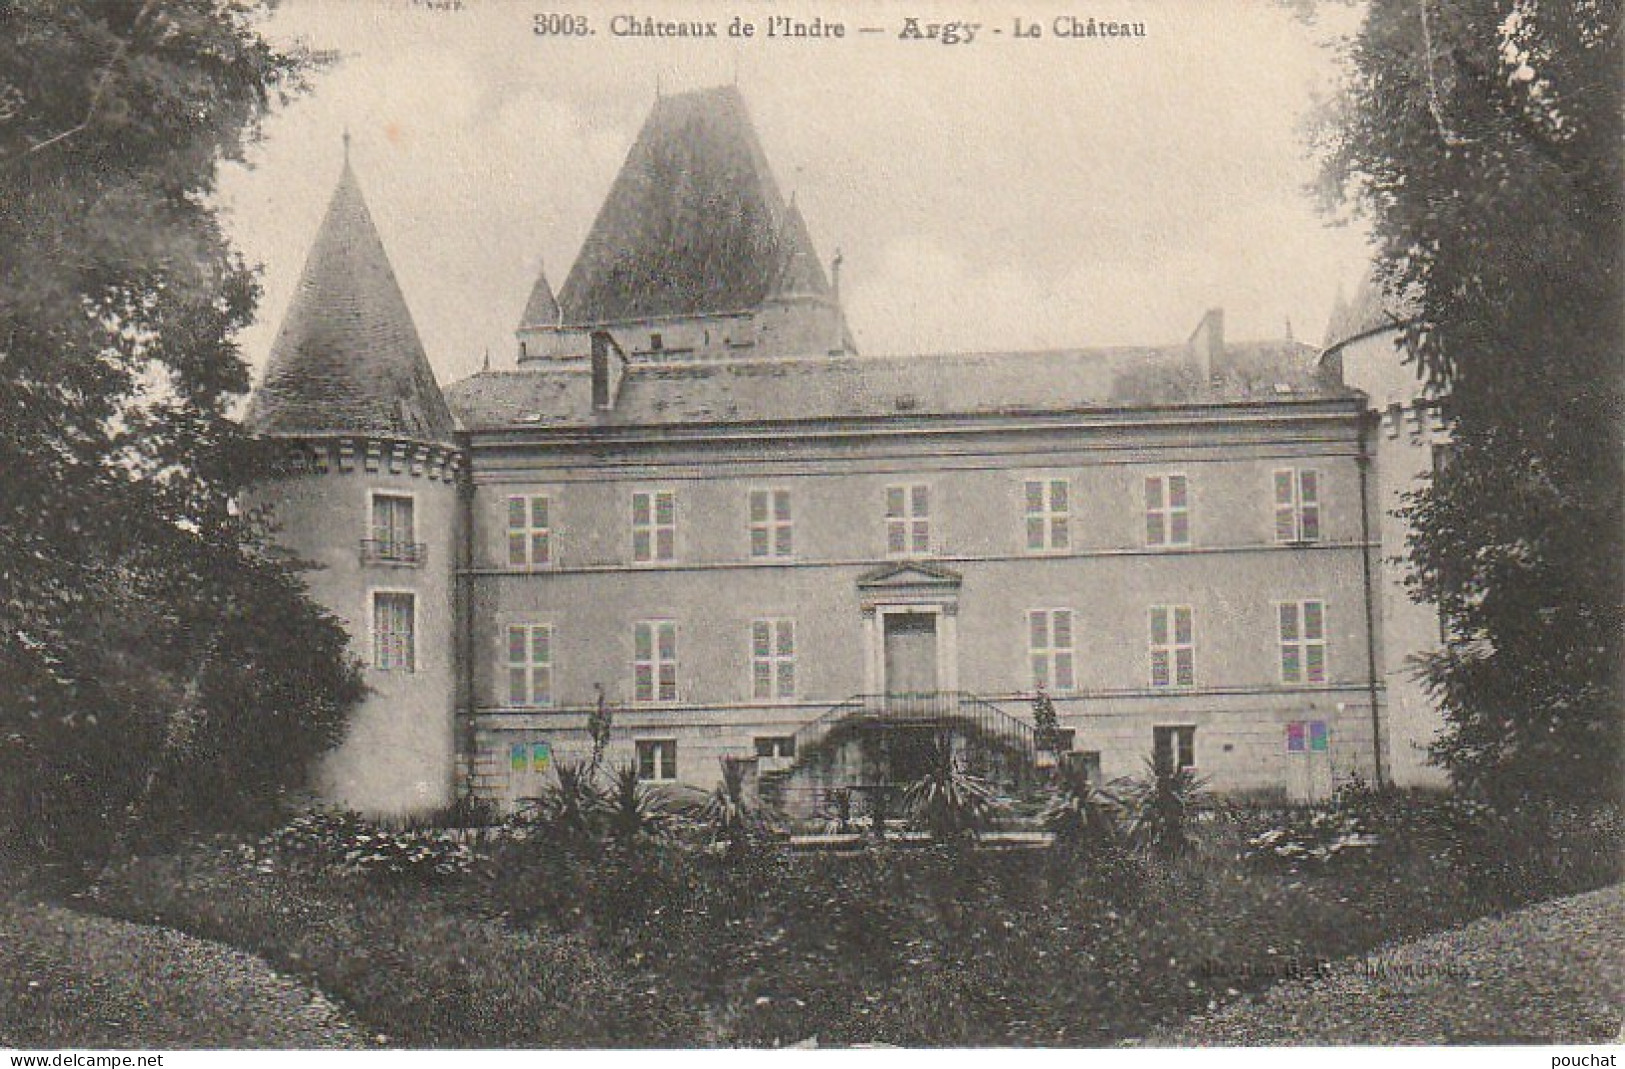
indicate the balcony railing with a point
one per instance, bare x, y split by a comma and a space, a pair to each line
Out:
391, 551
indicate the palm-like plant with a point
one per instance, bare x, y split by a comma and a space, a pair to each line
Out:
632, 809
571, 805
1160, 807
949, 802
731, 815
1077, 812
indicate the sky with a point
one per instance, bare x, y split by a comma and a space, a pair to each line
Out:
998, 194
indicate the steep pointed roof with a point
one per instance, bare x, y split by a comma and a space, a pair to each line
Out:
1373, 308
800, 273
348, 358
692, 223
542, 310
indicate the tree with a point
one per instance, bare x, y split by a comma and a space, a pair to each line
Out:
1484, 140
157, 663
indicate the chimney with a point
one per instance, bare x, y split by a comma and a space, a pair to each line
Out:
606, 374
1206, 343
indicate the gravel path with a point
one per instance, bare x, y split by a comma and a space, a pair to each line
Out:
75, 979
1552, 973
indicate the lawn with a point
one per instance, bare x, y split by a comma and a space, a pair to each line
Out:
544, 940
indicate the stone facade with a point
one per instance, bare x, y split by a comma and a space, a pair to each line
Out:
730, 533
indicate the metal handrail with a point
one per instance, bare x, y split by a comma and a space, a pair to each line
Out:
392, 551
918, 709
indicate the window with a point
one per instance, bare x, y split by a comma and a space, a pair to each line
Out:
1303, 641
656, 343
393, 628
654, 666
1307, 736
908, 520
773, 659
654, 526
1048, 514
530, 758
776, 746
770, 530
1086, 760
657, 759
1297, 505
1167, 511
390, 534
1049, 640
1173, 646
530, 664
530, 536
1173, 747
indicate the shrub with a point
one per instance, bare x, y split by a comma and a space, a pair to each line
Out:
417, 973
949, 802
632, 810
1315, 836
1160, 807
347, 842
1077, 813
570, 807
732, 818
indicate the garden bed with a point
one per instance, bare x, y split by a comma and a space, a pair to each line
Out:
681, 942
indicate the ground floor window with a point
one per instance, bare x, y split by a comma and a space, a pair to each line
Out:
1307, 736
1173, 747
776, 746
530, 757
1086, 760
657, 759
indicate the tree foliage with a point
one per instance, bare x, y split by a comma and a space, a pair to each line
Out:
1484, 139
157, 664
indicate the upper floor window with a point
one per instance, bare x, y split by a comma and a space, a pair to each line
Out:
1173, 646
654, 661
773, 659
394, 632
530, 664
1302, 626
657, 759
390, 531
530, 533
1167, 511
771, 532
1048, 507
654, 526
908, 520
1049, 643
1297, 505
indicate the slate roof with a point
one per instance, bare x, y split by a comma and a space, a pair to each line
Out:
348, 358
541, 310
1372, 309
839, 388
799, 272
693, 224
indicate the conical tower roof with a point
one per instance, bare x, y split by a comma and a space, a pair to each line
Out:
542, 310
692, 224
348, 359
